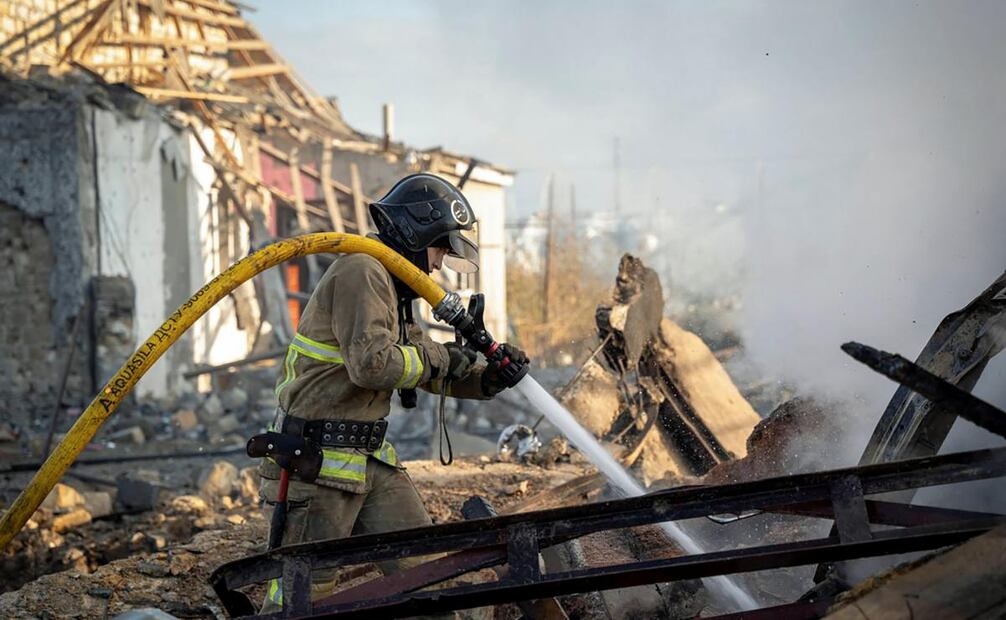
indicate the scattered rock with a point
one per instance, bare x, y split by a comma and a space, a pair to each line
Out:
518, 489
185, 419
248, 484
71, 520
266, 397
235, 519
218, 480
98, 503
136, 495
133, 435
234, 399
229, 423
208, 522
152, 569
211, 409
63, 498
264, 415
148, 541
190, 504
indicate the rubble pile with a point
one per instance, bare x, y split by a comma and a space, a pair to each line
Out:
119, 536
79, 527
803, 434
654, 391
239, 405
172, 578
166, 555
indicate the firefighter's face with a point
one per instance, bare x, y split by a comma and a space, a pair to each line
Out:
435, 256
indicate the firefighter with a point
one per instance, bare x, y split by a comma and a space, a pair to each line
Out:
355, 344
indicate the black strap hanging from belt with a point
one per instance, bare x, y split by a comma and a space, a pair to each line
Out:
407, 396
443, 434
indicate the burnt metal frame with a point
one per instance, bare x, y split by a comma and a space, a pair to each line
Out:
516, 540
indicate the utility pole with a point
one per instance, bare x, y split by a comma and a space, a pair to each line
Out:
549, 249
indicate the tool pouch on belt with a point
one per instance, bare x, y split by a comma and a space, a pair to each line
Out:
300, 456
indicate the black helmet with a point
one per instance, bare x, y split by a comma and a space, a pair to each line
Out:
422, 211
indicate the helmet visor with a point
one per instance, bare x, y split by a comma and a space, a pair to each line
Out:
462, 253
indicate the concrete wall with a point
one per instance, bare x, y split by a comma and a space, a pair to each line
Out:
42, 265
107, 201
102, 198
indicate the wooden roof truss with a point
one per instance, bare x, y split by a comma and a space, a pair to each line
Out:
203, 58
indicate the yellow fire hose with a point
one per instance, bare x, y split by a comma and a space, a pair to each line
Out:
106, 402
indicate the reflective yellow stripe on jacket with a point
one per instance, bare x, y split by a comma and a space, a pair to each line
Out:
412, 368
347, 465
317, 350
302, 345
275, 593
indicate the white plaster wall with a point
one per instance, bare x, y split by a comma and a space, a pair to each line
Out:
217, 338
132, 236
132, 230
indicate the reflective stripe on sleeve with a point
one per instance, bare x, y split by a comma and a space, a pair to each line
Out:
289, 372
412, 366
317, 350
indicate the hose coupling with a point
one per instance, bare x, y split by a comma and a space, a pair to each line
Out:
450, 310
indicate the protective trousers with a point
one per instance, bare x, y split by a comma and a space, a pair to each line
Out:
318, 512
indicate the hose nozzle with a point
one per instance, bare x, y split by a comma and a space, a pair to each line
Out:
471, 325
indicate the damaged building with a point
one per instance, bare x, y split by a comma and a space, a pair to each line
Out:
147, 145
146, 148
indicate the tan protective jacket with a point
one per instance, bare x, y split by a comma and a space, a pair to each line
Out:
347, 359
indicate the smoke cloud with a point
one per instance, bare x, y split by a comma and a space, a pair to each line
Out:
840, 167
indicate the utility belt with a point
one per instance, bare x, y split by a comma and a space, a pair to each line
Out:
367, 436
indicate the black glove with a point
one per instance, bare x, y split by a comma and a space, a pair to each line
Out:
460, 361
492, 383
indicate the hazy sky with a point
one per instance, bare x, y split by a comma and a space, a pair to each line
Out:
842, 164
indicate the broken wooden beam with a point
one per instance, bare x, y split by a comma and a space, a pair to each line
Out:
362, 225
254, 71
170, 93
958, 351
941, 392
192, 15
331, 201
261, 357
226, 45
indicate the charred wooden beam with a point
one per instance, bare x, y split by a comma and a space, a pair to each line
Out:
958, 351
950, 397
